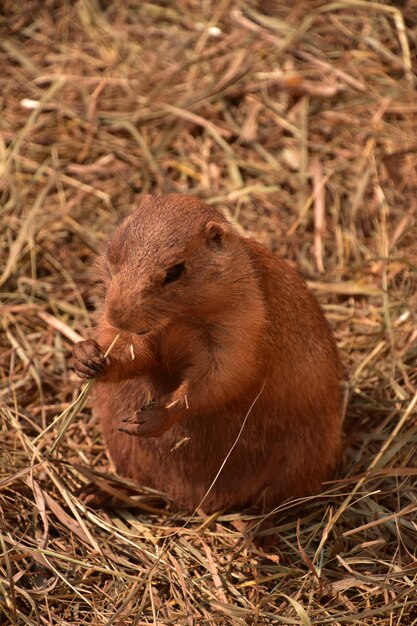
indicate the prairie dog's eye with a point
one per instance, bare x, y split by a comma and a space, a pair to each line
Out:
173, 273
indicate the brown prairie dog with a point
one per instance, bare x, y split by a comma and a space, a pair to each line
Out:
209, 321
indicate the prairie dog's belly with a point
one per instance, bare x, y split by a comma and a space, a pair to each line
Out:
274, 457
184, 461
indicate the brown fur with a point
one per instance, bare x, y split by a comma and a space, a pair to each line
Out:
238, 323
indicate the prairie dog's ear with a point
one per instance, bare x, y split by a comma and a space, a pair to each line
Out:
122, 216
215, 233
146, 199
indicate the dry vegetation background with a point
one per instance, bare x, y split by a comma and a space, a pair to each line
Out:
298, 119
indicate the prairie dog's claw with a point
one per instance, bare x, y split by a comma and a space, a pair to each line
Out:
88, 359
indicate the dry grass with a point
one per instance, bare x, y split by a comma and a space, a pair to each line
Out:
297, 119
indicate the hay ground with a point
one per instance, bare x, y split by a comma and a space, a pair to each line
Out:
299, 121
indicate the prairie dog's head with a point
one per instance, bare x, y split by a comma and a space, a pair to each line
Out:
173, 257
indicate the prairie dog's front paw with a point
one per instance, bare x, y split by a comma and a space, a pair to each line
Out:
152, 420
88, 359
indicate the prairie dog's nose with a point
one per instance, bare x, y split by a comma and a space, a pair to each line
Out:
118, 315
118, 308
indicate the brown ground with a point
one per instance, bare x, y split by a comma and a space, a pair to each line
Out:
298, 119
